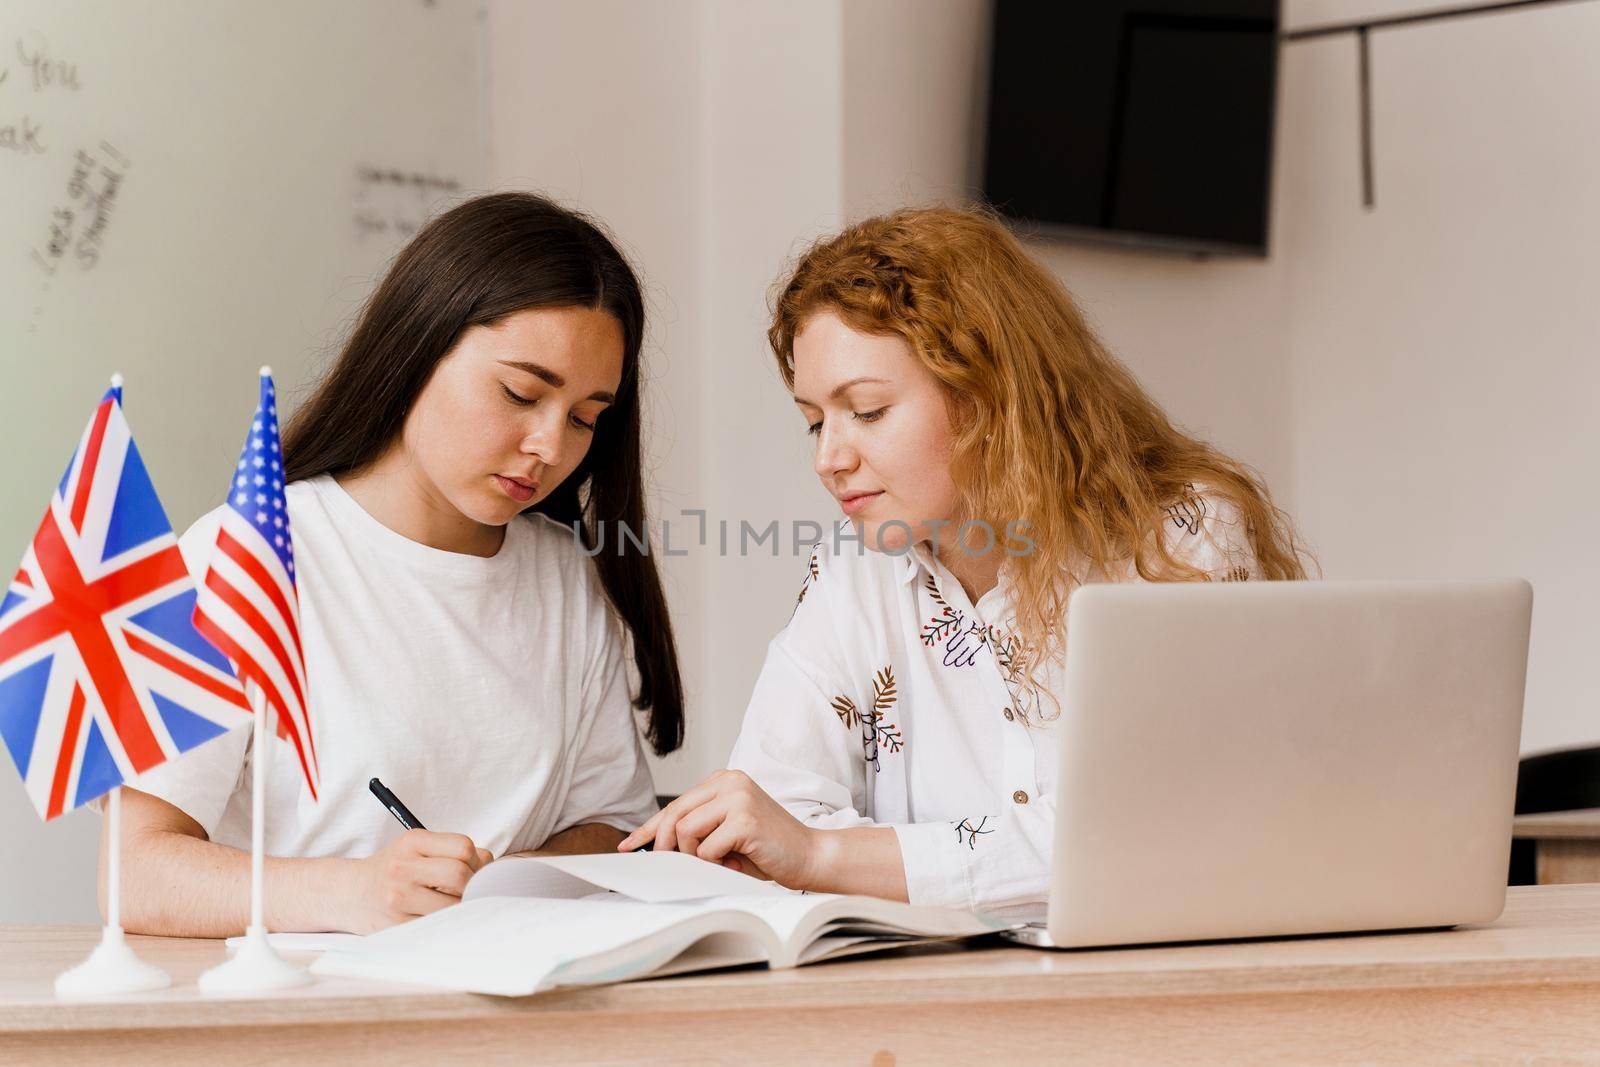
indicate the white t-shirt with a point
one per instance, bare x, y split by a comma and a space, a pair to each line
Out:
892, 699
489, 694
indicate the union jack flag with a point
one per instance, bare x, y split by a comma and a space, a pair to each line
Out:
102, 674
248, 604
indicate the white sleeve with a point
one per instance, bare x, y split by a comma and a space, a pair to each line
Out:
201, 781
1206, 531
794, 745
610, 780
795, 742
982, 862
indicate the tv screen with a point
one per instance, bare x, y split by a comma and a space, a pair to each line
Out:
1142, 121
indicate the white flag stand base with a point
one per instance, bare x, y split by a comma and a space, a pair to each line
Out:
254, 968
111, 968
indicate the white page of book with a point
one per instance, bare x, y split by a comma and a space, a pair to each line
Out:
492, 926
834, 945
785, 911
659, 877
789, 912
517, 946
528, 876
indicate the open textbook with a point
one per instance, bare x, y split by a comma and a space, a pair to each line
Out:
530, 924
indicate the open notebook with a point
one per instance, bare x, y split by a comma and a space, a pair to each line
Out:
530, 924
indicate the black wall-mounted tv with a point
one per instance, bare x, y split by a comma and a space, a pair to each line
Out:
1146, 122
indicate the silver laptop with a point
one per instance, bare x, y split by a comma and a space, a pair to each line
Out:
1277, 758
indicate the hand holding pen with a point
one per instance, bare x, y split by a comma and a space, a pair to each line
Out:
416, 874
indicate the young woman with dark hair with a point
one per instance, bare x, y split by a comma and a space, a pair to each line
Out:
460, 643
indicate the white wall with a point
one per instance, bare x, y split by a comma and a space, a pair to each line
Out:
771, 156
1443, 346
707, 137
915, 102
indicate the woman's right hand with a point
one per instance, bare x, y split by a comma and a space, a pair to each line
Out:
417, 873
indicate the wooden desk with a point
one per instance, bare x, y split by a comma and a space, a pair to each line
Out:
1566, 845
1526, 987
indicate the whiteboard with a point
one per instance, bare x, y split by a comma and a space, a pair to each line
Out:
192, 190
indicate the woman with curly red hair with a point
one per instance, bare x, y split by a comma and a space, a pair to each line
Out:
990, 455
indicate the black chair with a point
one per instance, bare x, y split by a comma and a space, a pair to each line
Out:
1552, 781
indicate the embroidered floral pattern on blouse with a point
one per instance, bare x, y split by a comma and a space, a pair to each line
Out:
845, 708
1011, 656
940, 627
1188, 514
1189, 511
967, 834
961, 640
813, 572
1008, 652
877, 734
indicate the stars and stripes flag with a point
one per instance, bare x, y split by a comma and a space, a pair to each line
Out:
102, 674
248, 605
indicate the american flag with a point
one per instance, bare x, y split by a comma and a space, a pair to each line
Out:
102, 675
248, 604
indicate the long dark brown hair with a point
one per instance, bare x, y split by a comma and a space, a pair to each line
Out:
488, 258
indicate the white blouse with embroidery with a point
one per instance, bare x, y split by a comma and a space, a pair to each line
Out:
890, 699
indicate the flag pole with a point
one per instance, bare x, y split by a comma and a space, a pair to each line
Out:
113, 967
114, 866
258, 816
256, 965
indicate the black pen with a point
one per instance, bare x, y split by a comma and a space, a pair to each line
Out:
392, 802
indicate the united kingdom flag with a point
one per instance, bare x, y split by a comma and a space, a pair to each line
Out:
102, 673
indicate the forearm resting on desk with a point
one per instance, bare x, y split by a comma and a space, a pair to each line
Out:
862, 860
177, 883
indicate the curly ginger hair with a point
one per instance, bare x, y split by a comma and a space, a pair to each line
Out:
1048, 425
